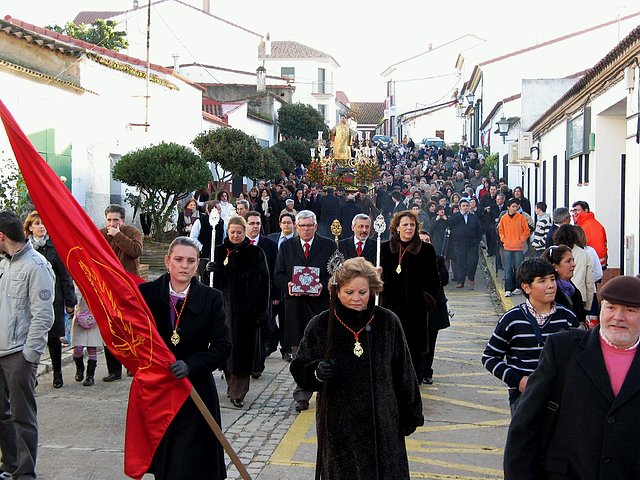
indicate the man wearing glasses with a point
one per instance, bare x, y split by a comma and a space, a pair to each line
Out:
310, 250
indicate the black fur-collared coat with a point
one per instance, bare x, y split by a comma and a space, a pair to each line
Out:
411, 293
372, 401
189, 449
244, 283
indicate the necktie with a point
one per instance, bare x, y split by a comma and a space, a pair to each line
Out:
359, 249
306, 250
253, 242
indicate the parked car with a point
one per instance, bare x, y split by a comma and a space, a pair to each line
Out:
381, 140
435, 142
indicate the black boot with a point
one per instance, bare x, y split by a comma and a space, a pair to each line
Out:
91, 370
79, 368
57, 380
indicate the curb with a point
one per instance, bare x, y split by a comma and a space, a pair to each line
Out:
506, 302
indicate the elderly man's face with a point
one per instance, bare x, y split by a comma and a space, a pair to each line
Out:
620, 324
361, 229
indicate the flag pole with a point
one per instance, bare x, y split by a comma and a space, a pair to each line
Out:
214, 218
218, 433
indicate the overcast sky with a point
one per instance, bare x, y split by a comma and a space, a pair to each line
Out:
366, 38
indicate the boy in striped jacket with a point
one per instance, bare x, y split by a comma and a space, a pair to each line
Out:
513, 351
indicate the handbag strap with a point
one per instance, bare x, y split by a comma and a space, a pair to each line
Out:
534, 324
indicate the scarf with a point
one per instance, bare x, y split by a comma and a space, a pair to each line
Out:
265, 204
566, 287
190, 216
38, 242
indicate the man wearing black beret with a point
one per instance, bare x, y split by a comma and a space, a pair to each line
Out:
578, 416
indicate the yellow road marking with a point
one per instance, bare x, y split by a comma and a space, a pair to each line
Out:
289, 444
453, 375
471, 385
462, 403
472, 334
451, 444
461, 351
455, 360
459, 466
466, 426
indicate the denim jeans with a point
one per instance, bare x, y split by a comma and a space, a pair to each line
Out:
512, 260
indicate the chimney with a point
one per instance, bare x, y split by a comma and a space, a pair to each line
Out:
176, 63
267, 46
135, 4
206, 6
261, 73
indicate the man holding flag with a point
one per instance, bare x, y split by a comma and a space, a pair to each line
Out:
26, 315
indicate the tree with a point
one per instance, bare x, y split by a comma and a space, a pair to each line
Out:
286, 162
298, 150
270, 165
231, 152
100, 32
299, 121
14, 195
163, 174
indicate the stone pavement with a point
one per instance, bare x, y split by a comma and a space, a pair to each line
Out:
466, 412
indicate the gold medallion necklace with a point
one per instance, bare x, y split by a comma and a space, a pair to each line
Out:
357, 348
175, 338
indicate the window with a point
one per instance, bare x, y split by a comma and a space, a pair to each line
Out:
321, 80
288, 72
323, 110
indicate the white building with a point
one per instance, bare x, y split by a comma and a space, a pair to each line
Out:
586, 147
312, 72
83, 107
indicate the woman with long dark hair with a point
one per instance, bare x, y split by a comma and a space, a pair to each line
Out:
355, 355
567, 294
410, 275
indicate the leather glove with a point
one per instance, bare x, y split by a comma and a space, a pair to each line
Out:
179, 368
209, 267
325, 370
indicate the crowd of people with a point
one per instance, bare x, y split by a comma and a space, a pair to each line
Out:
362, 332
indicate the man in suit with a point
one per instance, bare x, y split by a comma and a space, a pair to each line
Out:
359, 244
270, 249
287, 226
348, 210
467, 232
314, 199
578, 415
311, 250
329, 208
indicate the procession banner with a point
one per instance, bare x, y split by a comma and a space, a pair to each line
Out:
125, 322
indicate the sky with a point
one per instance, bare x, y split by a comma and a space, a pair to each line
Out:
365, 37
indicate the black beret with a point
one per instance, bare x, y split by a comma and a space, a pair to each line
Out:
622, 290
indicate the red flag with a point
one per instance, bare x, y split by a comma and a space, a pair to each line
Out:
125, 322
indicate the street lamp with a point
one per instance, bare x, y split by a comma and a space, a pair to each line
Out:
470, 97
503, 128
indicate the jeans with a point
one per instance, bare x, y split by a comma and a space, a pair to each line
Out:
512, 260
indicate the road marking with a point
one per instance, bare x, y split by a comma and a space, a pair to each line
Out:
467, 426
462, 403
472, 334
471, 385
461, 351
286, 449
455, 360
495, 473
453, 375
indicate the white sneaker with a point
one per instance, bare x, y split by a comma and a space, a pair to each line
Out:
517, 291
508, 293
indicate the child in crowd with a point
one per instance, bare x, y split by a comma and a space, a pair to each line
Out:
513, 351
85, 334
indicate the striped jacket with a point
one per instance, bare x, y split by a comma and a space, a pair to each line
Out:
513, 351
539, 237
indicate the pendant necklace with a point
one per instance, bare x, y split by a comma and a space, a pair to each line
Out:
357, 347
399, 267
175, 338
226, 259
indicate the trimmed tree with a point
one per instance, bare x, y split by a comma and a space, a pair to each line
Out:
299, 121
163, 174
298, 150
286, 162
231, 152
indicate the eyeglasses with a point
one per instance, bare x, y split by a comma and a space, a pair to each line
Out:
306, 225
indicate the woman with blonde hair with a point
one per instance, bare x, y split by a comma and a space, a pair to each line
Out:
355, 355
65, 296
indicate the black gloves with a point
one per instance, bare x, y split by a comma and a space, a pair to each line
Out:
179, 368
325, 370
408, 429
209, 267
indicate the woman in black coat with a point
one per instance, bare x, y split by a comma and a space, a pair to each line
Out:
369, 398
240, 271
269, 212
411, 283
299, 202
189, 317
567, 294
65, 298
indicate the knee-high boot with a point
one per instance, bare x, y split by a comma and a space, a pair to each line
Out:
91, 370
79, 368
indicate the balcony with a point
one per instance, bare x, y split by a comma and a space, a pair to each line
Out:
322, 88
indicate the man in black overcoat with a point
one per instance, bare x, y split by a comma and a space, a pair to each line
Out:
578, 415
467, 232
347, 211
270, 249
301, 308
359, 244
329, 209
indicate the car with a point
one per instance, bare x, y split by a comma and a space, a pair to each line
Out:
433, 142
381, 140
